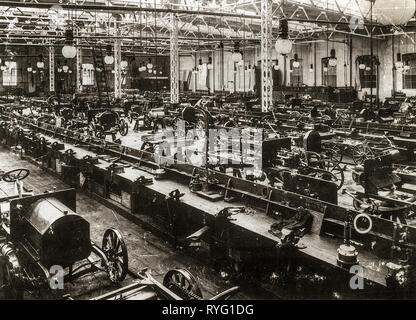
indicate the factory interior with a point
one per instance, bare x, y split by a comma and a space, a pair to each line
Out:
207, 149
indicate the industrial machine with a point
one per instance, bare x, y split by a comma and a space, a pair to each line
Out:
40, 234
106, 122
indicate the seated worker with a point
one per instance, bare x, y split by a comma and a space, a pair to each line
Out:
405, 107
314, 112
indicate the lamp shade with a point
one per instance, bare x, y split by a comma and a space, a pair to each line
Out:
237, 56
40, 64
332, 62
124, 64
361, 66
65, 68
149, 64
296, 64
390, 12
283, 46
29, 69
69, 51
325, 69
108, 59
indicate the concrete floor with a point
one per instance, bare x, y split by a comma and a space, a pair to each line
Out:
145, 250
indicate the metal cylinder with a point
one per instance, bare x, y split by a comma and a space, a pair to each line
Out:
7, 250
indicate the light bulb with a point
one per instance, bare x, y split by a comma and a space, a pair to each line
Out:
69, 51
236, 56
108, 59
283, 46
332, 62
124, 64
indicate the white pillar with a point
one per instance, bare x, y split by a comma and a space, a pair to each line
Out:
117, 61
174, 60
266, 47
79, 66
51, 68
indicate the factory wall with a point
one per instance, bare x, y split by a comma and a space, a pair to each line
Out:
309, 53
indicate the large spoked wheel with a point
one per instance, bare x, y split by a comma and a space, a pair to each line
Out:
115, 250
333, 172
17, 174
334, 152
124, 127
182, 283
360, 153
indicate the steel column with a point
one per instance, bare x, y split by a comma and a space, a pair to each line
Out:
117, 68
51, 69
266, 47
79, 66
174, 59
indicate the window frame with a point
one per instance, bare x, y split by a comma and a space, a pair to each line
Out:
410, 76
296, 73
10, 74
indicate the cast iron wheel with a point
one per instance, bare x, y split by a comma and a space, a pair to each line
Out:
182, 283
335, 171
361, 152
124, 128
334, 152
14, 175
115, 250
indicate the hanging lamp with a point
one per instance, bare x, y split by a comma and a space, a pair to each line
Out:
109, 58
237, 56
283, 45
332, 59
68, 50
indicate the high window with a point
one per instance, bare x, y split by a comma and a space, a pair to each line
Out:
10, 74
409, 71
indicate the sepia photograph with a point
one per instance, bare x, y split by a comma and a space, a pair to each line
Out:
221, 152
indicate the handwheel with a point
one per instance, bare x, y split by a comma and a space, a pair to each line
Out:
124, 128
182, 283
115, 250
17, 174
333, 172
